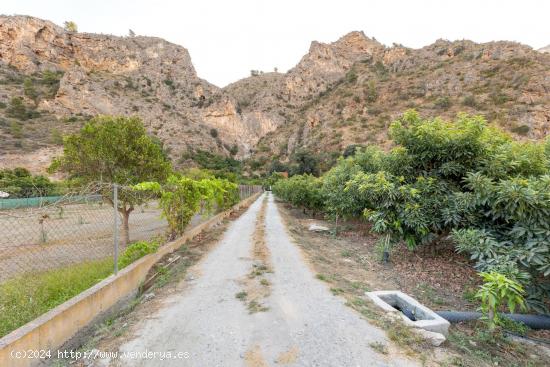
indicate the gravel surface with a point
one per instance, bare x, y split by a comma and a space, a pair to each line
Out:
305, 324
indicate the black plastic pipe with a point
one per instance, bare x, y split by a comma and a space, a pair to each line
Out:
533, 321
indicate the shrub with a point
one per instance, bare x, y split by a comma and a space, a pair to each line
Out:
443, 102
497, 290
303, 191
304, 162
470, 101
338, 200
136, 251
351, 149
371, 94
351, 76
511, 235
215, 162
183, 197
29, 90
16, 129
521, 130
20, 183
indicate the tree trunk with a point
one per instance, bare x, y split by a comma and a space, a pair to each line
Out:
125, 232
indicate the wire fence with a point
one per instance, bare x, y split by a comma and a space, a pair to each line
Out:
79, 227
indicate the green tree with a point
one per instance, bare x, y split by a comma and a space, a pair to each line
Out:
114, 149
182, 197
303, 191
30, 90
304, 162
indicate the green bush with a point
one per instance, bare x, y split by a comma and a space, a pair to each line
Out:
19, 110
339, 201
303, 191
460, 180
497, 291
183, 197
214, 162
136, 251
304, 162
443, 102
511, 233
20, 183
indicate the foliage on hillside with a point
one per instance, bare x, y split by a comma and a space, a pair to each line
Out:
462, 181
218, 165
503, 82
20, 183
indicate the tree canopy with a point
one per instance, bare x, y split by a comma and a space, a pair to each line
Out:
462, 181
114, 150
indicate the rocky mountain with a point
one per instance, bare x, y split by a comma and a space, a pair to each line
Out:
508, 83
545, 49
51, 81
342, 93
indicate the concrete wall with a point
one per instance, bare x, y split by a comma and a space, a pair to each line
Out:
53, 329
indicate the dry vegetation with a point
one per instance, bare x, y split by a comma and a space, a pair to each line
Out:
256, 286
501, 81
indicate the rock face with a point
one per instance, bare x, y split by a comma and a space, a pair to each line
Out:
340, 93
101, 74
506, 82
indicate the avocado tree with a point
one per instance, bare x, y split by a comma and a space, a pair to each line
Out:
115, 150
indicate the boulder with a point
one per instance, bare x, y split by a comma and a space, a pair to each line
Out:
314, 227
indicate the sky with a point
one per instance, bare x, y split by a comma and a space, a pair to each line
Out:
227, 39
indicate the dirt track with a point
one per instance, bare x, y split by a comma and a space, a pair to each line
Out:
302, 323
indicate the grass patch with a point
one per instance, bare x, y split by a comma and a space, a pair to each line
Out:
477, 346
254, 307
322, 277
345, 253
379, 347
25, 298
241, 295
258, 270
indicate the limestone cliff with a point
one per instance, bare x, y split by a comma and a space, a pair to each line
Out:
340, 93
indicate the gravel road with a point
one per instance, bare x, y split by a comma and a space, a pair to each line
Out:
304, 325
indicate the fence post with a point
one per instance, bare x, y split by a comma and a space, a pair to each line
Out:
115, 232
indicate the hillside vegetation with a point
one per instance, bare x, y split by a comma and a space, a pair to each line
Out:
506, 83
338, 95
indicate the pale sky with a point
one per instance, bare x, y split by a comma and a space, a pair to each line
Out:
226, 39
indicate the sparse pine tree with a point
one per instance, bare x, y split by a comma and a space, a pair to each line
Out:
70, 26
